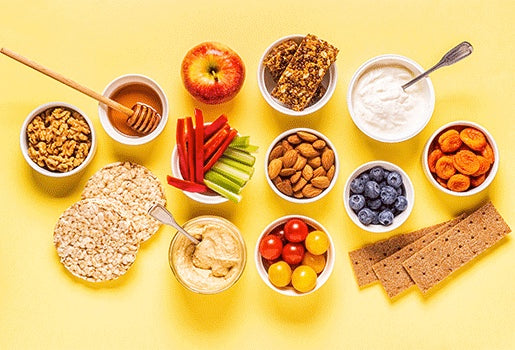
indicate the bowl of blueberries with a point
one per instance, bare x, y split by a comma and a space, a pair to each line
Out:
378, 196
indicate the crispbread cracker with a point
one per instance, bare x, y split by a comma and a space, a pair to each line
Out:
478, 232
135, 187
95, 240
390, 272
362, 259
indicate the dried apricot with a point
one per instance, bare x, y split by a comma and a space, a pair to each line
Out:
450, 141
473, 138
458, 183
441, 182
445, 167
484, 165
488, 153
433, 157
466, 162
477, 180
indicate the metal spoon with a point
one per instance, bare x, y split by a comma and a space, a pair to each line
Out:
161, 214
454, 55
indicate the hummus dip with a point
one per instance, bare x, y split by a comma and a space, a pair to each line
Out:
215, 263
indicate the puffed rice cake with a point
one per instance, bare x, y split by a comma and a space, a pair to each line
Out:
135, 187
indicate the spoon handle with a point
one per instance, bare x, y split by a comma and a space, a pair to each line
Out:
62, 79
161, 214
454, 55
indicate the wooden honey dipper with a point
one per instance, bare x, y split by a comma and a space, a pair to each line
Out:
142, 118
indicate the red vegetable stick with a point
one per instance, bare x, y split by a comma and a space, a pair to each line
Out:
185, 185
199, 149
216, 140
181, 149
212, 128
221, 150
190, 150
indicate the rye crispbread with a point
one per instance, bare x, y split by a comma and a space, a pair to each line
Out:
462, 243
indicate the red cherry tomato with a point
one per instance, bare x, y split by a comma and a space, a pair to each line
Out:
295, 230
293, 253
279, 232
270, 247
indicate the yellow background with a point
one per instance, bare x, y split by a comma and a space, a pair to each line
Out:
92, 42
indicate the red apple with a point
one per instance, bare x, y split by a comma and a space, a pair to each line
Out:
212, 72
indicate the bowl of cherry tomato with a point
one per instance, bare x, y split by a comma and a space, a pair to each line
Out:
294, 255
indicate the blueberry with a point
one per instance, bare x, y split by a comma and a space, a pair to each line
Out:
400, 191
388, 195
356, 201
372, 190
382, 184
375, 220
394, 179
385, 217
364, 177
401, 203
376, 174
357, 185
366, 216
374, 204
386, 173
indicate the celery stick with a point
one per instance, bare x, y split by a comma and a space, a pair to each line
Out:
235, 175
222, 191
222, 181
240, 156
235, 164
240, 141
248, 149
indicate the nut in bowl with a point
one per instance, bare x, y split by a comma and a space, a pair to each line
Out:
57, 139
301, 165
294, 89
378, 196
461, 158
294, 255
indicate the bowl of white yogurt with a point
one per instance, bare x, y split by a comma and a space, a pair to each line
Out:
379, 106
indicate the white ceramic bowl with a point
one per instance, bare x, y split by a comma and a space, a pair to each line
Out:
266, 83
24, 144
427, 87
491, 174
116, 85
397, 220
322, 277
336, 165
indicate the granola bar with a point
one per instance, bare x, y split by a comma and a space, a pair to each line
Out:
305, 72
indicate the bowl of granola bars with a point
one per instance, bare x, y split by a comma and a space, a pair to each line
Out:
57, 139
297, 75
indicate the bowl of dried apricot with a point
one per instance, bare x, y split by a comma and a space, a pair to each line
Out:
461, 158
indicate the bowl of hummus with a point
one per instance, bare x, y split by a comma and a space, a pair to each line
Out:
216, 263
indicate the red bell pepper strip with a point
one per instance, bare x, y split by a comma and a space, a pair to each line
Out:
181, 149
221, 150
199, 149
185, 185
190, 149
212, 128
215, 141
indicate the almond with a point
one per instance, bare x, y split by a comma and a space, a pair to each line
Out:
277, 152
319, 144
307, 172
274, 168
311, 191
320, 171
285, 187
286, 145
320, 182
294, 139
295, 177
286, 172
315, 162
330, 172
289, 158
298, 195
299, 185
307, 150
306, 136
277, 180
327, 158
300, 163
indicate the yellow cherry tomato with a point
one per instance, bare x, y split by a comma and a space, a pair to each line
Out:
317, 242
304, 278
316, 262
279, 274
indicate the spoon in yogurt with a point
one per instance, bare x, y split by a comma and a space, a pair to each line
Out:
454, 55
161, 214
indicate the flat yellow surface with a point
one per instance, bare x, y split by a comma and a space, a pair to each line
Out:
43, 306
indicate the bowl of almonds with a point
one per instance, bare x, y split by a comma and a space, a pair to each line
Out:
301, 165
